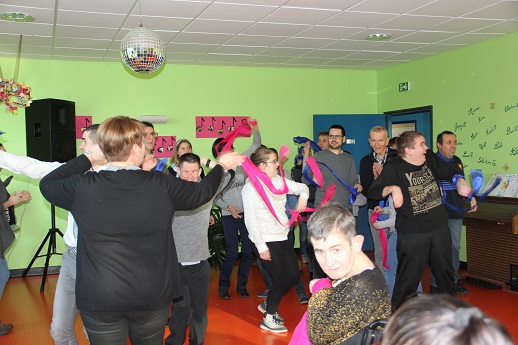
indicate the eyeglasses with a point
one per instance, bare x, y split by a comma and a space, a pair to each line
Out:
272, 162
335, 136
151, 134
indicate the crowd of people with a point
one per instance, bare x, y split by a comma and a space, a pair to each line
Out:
120, 206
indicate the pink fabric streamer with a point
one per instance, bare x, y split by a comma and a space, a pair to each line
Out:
300, 334
383, 240
243, 130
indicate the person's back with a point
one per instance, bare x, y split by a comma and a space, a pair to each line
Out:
442, 320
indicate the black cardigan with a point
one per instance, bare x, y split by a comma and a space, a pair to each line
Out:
126, 258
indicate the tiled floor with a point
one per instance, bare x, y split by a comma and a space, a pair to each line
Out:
234, 321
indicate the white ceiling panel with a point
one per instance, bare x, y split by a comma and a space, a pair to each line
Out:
465, 24
238, 50
99, 6
285, 33
299, 42
328, 53
81, 43
383, 6
247, 40
284, 52
90, 19
291, 15
437, 48
500, 28
85, 32
359, 19
26, 29
353, 45
222, 58
244, 12
449, 8
274, 29
322, 31
426, 37
44, 15
190, 48
193, 37
157, 23
469, 38
325, 4
411, 22
217, 26
499, 10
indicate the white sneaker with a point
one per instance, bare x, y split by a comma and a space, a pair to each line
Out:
262, 309
272, 324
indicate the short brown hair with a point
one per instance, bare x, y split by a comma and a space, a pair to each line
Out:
117, 135
261, 155
407, 140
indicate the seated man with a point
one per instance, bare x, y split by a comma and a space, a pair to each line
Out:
358, 294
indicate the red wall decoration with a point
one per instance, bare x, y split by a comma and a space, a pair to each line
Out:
164, 146
217, 126
81, 123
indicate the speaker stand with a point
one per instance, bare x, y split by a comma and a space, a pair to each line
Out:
51, 250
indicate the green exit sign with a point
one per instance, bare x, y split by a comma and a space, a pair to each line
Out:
404, 86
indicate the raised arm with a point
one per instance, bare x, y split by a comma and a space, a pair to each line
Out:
27, 166
58, 187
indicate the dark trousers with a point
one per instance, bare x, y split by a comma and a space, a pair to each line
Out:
192, 310
143, 327
283, 270
414, 252
233, 229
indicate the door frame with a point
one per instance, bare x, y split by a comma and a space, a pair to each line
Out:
410, 111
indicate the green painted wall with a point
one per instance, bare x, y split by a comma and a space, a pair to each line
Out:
282, 100
473, 91
481, 80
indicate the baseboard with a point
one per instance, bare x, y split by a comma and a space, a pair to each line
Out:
36, 271
463, 265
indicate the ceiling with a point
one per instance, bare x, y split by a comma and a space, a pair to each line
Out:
276, 33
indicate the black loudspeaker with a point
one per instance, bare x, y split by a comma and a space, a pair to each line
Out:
51, 130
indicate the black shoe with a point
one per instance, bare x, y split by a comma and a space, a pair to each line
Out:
461, 289
263, 294
5, 328
243, 293
433, 290
224, 294
303, 299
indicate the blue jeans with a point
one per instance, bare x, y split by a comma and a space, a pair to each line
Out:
455, 226
4, 275
390, 274
65, 309
303, 238
233, 228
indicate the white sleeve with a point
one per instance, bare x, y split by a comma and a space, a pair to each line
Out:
297, 188
251, 200
26, 165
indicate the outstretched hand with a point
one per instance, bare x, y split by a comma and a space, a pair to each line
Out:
18, 197
230, 160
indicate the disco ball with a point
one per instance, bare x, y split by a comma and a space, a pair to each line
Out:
142, 50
